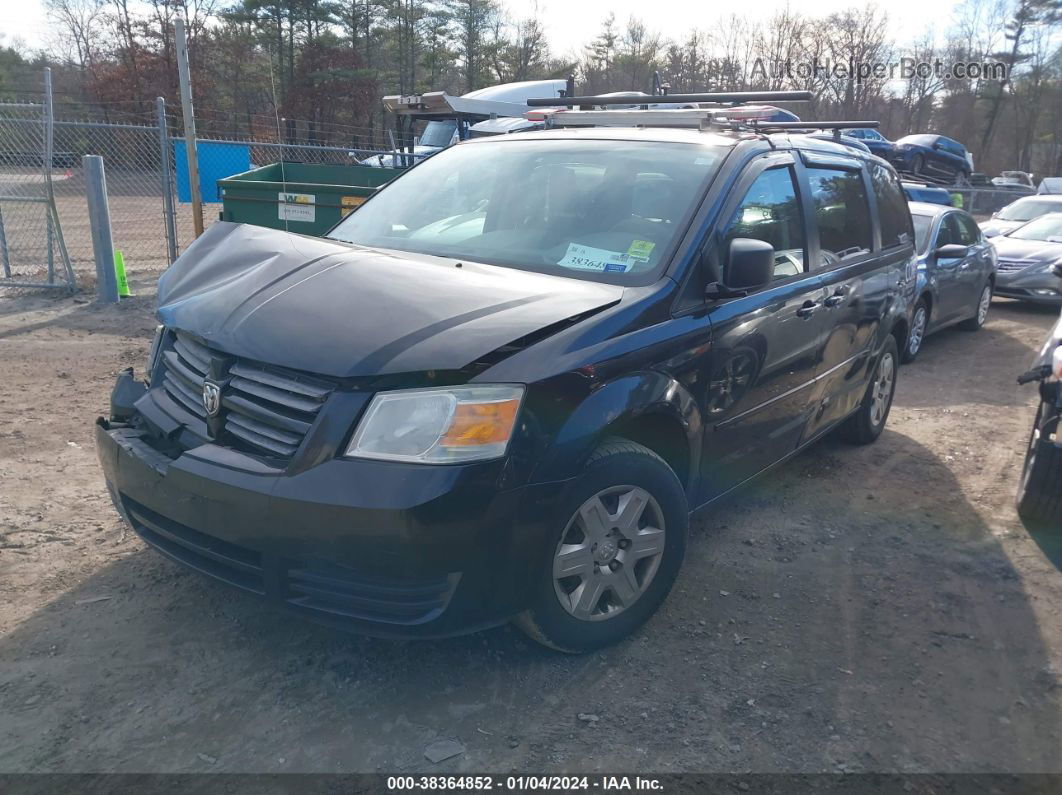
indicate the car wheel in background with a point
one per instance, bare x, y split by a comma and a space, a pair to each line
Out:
918, 164
616, 553
980, 315
1040, 490
916, 334
868, 422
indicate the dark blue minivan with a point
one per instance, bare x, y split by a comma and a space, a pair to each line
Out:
500, 386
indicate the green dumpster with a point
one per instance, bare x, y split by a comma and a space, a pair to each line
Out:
309, 198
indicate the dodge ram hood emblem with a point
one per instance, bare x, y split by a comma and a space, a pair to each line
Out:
211, 398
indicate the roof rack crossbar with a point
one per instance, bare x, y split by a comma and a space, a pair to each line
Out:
811, 125
738, 97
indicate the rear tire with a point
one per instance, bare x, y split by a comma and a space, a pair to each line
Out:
980, 315
916, 334
602, 577
866, 425
1040, 490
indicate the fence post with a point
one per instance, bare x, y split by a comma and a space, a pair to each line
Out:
167, 183
100, 224
55, 229
189, 128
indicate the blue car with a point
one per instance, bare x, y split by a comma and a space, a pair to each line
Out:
919, 192
877, 143
956, 274
933, 157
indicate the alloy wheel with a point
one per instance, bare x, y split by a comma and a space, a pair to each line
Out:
918, 330
982, 306
882, 389
609, 553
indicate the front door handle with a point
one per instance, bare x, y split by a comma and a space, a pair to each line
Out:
808, 308
838, 296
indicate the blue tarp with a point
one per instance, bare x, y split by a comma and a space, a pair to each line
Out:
217, 160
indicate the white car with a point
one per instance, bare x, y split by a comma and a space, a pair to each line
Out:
1019, 212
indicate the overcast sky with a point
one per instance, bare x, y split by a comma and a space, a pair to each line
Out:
572, 23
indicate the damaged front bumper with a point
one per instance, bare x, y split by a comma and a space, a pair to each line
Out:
377, 547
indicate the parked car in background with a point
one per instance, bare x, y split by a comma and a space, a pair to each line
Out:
1027, 256
846, 140
956, 274
1039, 499
499, 387
1050, 185
873, 140
979, 180
931, 194
932, 156
1022, 178
1019, 212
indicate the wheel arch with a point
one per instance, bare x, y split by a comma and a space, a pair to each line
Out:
647, 407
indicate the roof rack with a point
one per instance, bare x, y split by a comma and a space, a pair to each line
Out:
719, 98
811, 125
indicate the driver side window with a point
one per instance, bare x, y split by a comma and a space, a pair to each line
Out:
770, 212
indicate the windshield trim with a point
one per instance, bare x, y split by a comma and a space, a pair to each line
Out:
661, 271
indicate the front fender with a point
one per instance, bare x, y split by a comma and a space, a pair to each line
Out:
615, 404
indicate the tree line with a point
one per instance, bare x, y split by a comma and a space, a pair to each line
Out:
315, 70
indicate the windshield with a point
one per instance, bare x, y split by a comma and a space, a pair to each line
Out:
604, 210
1027, 209
922, 225
1046, 227
439, 133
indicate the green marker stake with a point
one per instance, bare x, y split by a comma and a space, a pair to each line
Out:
119, 275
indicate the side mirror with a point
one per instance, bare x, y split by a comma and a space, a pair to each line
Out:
990, 232
1056, 269
750, 264
952, 251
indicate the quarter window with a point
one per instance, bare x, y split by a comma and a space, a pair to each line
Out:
770, 212
842, 214
892, 208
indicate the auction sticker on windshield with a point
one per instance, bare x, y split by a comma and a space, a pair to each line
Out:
588, 258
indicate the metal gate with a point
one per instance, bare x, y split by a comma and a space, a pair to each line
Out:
32, 249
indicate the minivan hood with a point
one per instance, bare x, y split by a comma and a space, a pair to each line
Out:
331, 308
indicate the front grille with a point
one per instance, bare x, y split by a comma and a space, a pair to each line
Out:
265, 409
1012, 265
187, 363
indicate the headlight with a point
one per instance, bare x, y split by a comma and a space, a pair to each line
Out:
438, 426
153, 353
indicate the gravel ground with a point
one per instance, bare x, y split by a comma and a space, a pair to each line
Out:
858, 609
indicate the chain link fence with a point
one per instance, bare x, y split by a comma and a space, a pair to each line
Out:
43, 191
32, 253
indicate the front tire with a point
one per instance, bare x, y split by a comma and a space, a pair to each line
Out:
617, 549
916, 334
980, 315
1040, 490
866, 425
918, 165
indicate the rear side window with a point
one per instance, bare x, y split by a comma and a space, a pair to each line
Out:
892, 208
770, 212
842, 214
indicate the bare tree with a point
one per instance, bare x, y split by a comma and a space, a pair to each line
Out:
79, 25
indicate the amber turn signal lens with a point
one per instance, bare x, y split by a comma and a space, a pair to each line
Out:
481, 423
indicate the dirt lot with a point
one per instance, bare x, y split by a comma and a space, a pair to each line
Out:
875, 608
